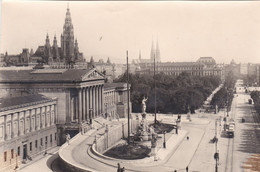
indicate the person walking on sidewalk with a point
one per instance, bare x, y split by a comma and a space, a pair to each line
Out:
118, 167
187, 169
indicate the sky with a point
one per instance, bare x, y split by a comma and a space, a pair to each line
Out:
185, 30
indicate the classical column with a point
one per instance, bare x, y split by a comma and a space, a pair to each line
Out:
84, 104
30, 114
12, 125
97, 100
41, 117
5, 126
49, 117
18, 123
55, 121
24, 122
71, 109
45, 116
90, 101
94, 101
102, 99
97, 112
87, 103
35, 116
80, 105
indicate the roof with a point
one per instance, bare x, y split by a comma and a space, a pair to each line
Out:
115, 85
7, 103
47, 75
179, 64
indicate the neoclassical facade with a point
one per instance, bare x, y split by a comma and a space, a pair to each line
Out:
27, 128
116, 100
204, 66
81, 95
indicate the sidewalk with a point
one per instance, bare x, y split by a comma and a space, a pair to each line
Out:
75, 153
40, 163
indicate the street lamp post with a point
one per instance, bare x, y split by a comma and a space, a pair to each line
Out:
128, 97
164, 142
216, 155
90, 117
46, 147
106, 131
155, 118
106, 111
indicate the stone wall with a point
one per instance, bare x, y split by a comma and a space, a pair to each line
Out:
115, 134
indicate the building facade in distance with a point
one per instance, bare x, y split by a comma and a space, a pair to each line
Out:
204, 66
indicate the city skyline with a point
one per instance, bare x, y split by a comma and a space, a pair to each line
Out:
185, 30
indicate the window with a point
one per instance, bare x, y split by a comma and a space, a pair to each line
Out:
5, 156
46, 139
30, 146
33, 123
41, 142
18, 150
36, 143
12, 153
27, 126
21, 127
8, 130
1, 131
51, 138
55, 136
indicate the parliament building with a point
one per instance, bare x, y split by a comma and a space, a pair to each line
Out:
39, 106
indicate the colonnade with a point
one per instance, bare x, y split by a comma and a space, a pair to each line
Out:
28, 120
88, 104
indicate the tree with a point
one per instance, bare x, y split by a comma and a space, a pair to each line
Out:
174, 94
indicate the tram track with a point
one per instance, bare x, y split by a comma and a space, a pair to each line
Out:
230, 146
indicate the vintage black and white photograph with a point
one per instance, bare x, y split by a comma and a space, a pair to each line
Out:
138, 86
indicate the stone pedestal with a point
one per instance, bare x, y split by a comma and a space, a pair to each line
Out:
145, 136
178, 123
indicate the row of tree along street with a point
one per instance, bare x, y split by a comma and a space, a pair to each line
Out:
223, 98
174, 94
255, 95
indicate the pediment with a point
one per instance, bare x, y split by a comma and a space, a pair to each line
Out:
93, 74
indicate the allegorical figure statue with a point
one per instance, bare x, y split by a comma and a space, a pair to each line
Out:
144, 105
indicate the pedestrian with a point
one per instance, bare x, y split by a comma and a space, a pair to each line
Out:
118, 167
175, 170
123, 169
187, 169
188, 137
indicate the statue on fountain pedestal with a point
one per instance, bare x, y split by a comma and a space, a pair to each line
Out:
144, 106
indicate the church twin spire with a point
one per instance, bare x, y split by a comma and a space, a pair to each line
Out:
155, 53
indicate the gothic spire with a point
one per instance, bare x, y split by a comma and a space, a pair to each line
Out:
152, 52
157, 51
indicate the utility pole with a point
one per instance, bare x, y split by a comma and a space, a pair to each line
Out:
128, 110
227, 101
155, 119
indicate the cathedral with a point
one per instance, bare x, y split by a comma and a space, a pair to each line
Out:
68, 53
154, 56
